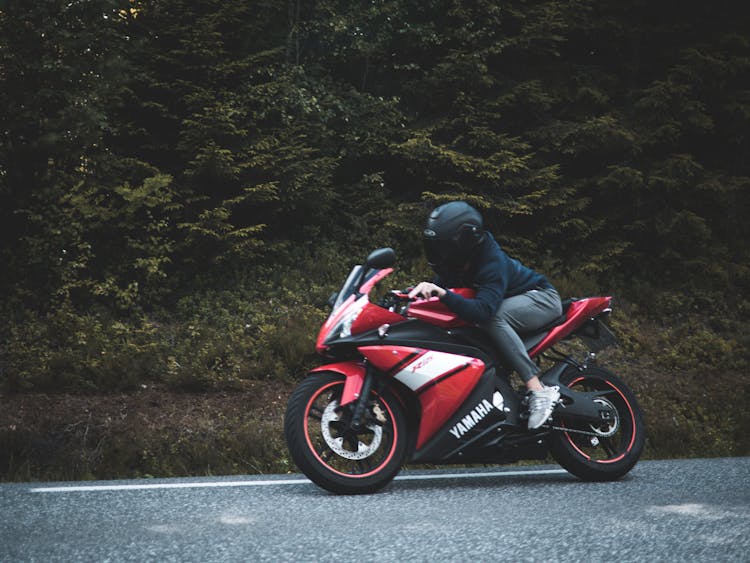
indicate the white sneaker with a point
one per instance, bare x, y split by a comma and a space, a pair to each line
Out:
541, 404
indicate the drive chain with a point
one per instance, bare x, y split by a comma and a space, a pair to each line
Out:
573, 430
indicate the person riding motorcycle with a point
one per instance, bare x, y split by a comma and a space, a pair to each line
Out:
510, 297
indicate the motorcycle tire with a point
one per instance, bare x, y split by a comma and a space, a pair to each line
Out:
608, 451
333, 455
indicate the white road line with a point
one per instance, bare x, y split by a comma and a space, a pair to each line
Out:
487, 474
143, 487
268, 483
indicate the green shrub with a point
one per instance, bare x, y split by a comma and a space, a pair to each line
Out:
214, 339
69, 351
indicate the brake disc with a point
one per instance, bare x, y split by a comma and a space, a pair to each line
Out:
337, 443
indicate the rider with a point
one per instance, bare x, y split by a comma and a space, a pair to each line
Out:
510, 297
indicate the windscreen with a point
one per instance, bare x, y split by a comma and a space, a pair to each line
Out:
352, 284
349, 286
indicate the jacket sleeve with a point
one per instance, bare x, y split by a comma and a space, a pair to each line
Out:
490, 285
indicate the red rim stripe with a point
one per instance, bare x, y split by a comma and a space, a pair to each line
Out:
315, 453
632, 437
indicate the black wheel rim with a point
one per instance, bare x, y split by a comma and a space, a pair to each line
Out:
607, 443
345, 452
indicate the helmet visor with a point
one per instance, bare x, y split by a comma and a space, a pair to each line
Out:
441, 253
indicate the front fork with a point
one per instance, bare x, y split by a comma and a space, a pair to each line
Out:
364, 394
360, 379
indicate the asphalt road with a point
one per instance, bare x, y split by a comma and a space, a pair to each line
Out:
686, 510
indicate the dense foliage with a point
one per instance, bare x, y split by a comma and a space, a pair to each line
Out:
183, 183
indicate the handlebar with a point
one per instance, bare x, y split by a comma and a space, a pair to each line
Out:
404, 294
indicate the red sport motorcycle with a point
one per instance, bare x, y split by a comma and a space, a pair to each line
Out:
409, 381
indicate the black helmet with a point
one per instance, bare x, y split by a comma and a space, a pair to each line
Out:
452, 233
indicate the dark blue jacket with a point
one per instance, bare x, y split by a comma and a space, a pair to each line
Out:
494, 275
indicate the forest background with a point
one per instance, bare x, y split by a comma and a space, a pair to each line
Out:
183, 184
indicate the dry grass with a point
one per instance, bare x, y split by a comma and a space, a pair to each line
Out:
150, 433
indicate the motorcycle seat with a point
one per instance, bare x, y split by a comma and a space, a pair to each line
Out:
549, 326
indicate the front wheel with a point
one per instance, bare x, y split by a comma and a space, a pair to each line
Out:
602, 452
329, 451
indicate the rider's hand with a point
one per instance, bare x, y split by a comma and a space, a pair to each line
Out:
427, 290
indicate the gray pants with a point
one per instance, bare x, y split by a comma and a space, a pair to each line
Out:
522, 313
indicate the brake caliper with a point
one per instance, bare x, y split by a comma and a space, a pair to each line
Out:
379, 414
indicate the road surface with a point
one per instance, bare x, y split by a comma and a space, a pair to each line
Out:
680, 510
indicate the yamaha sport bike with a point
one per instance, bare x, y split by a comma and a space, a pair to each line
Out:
409, 381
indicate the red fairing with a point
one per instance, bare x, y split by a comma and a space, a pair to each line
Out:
441, 400
442, 381
372, 317
352, 303
435, 312
578, 313
355, 376
390, 358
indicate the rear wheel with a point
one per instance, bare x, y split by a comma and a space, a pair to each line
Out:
329, 451
606, 451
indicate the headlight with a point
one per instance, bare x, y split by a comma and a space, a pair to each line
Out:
341, 321
348, 321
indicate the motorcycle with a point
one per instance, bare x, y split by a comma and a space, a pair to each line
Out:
410, 382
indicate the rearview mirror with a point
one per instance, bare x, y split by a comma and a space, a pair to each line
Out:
381, 258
